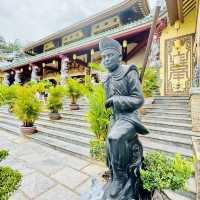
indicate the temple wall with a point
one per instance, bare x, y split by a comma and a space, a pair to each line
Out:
170, 32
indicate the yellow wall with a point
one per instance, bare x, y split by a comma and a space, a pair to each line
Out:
187, 27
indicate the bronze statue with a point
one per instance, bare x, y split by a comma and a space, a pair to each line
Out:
124, 96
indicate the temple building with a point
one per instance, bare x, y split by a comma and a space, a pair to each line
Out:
71, 50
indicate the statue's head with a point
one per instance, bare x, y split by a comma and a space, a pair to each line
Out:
111, 53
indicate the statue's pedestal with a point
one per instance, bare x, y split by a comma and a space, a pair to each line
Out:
195, 109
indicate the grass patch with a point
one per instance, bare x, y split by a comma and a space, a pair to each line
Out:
3, 154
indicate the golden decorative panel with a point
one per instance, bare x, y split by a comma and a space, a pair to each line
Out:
73, 37
178, 65
105, 25
48, 46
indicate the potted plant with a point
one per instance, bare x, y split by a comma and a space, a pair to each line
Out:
74, 90
161, 172
55, 101
27, 108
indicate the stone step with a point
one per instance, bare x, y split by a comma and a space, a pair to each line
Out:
169, 139
167, 113
167, 124
166, 148
171, 97
179, 195
171, 102
179, 119
64, 121
168, 106
167, 109
57, 127
63, 146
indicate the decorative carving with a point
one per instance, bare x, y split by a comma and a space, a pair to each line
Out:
178, 65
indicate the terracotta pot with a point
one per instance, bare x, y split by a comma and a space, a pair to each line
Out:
74, 106
54, 116
28, 130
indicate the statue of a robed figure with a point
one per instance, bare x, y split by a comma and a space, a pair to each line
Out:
124, 151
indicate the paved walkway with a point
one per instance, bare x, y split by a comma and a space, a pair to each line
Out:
47, 174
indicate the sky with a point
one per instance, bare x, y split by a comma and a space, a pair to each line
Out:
31, 20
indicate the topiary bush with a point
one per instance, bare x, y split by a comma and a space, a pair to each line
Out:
161, 172
9, 179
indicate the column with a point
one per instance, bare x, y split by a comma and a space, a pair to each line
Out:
34, 76
17, 76
6, 79
64, 67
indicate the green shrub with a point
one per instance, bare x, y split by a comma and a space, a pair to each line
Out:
74, 90
27, 106
9, 179
55, 98
88, 85
3, 90
9, 182
3, 154
150, 81
162, 172
97, 149
98, 115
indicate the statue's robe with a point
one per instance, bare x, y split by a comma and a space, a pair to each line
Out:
127, 96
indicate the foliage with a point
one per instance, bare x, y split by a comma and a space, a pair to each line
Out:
27, 106
88, 85
3, 154
3, 90
150, 81
55, 98
97, 149
98, 67
9, 179
11, 95
74, 89
161, 172
98, 115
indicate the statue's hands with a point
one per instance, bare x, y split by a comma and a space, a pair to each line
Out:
109, 102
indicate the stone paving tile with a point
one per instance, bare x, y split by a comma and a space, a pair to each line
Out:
70, 177
35, 184
18, 195
94, 170
75, 162
58, 193
49, 165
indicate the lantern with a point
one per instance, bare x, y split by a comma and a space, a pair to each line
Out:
125, 44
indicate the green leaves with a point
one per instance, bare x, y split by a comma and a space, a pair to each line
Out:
55, 98
161, 172
9, 178
97, 149
74, 89
27, 106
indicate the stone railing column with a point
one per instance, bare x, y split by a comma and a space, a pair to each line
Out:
64, 67
17, 77
6, 79
195, 109
34, 76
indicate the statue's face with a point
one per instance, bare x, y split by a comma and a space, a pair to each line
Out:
111, 59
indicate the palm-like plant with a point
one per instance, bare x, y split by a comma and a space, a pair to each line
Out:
74, 90
55, 98
27, 106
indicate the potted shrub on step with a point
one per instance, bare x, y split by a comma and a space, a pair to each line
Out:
74, 90
27, 108
55, 101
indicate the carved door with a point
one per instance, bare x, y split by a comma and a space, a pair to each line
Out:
178, 65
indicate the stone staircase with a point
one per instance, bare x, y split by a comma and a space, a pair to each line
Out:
168, 120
